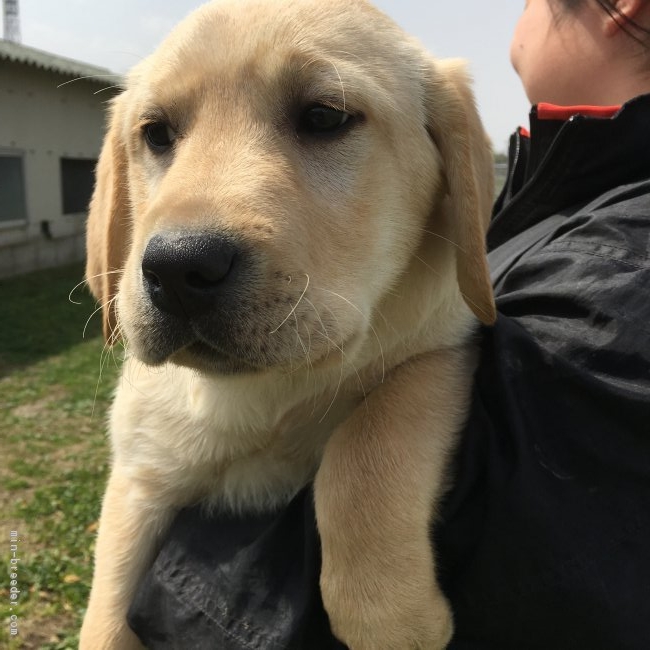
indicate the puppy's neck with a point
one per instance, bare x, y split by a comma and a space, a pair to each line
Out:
272, 403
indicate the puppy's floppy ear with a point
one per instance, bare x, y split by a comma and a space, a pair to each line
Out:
107, 233
455, 127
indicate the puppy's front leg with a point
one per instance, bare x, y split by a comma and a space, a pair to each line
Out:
376, 491
130, 529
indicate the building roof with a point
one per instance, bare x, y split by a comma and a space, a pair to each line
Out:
19, 53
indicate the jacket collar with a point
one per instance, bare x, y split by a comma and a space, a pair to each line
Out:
567, 162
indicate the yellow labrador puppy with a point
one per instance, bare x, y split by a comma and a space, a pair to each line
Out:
288, 233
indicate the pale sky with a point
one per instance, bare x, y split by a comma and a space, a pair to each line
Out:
119, 33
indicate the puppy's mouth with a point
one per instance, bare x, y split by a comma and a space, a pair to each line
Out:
226, 353
219, 343
206, 358
239, 340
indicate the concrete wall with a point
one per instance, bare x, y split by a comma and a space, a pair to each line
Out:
44, 123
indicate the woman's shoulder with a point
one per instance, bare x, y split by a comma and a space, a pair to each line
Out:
567, 168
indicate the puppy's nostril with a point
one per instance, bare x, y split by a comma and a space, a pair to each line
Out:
209, 273
197, 280
152, 279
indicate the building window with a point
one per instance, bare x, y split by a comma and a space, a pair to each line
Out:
77, 180
13, 206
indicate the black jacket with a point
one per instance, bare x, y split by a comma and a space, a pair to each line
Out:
544, 542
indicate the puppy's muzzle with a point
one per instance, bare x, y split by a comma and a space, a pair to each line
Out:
209, 301
187, 275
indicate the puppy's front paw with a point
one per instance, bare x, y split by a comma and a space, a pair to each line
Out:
367, 616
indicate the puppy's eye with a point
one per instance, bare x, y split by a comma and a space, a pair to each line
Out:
159, 136
320, 120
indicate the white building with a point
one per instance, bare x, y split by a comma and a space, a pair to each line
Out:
50, 138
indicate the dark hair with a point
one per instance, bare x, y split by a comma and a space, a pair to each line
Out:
638, 32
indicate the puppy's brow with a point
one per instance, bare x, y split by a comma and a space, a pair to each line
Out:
153, 114
315, 76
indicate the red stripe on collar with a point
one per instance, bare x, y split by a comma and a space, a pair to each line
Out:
553, 112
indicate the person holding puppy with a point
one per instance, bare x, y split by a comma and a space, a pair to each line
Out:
543, 541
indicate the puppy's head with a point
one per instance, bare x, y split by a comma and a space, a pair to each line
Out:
267, 178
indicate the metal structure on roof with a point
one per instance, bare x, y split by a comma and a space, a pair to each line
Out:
11, 21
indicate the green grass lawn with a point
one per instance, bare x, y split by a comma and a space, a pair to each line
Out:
55, 386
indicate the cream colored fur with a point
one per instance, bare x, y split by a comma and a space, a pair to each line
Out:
372, 250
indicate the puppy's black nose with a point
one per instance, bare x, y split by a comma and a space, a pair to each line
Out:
186, 274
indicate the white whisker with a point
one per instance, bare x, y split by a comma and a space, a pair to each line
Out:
338, 385
341, 82
307, 63
352, 54
90, 76
294, 307
464, 295
344, 358
315, 60
308, 350
363, 389
83, 333
320, 320
298, 337
107, 350
449, 241
417, 257
101, 90
374, 331
76, 286
85, 281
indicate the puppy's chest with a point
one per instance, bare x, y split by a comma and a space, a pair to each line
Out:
228, 447
286, 459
